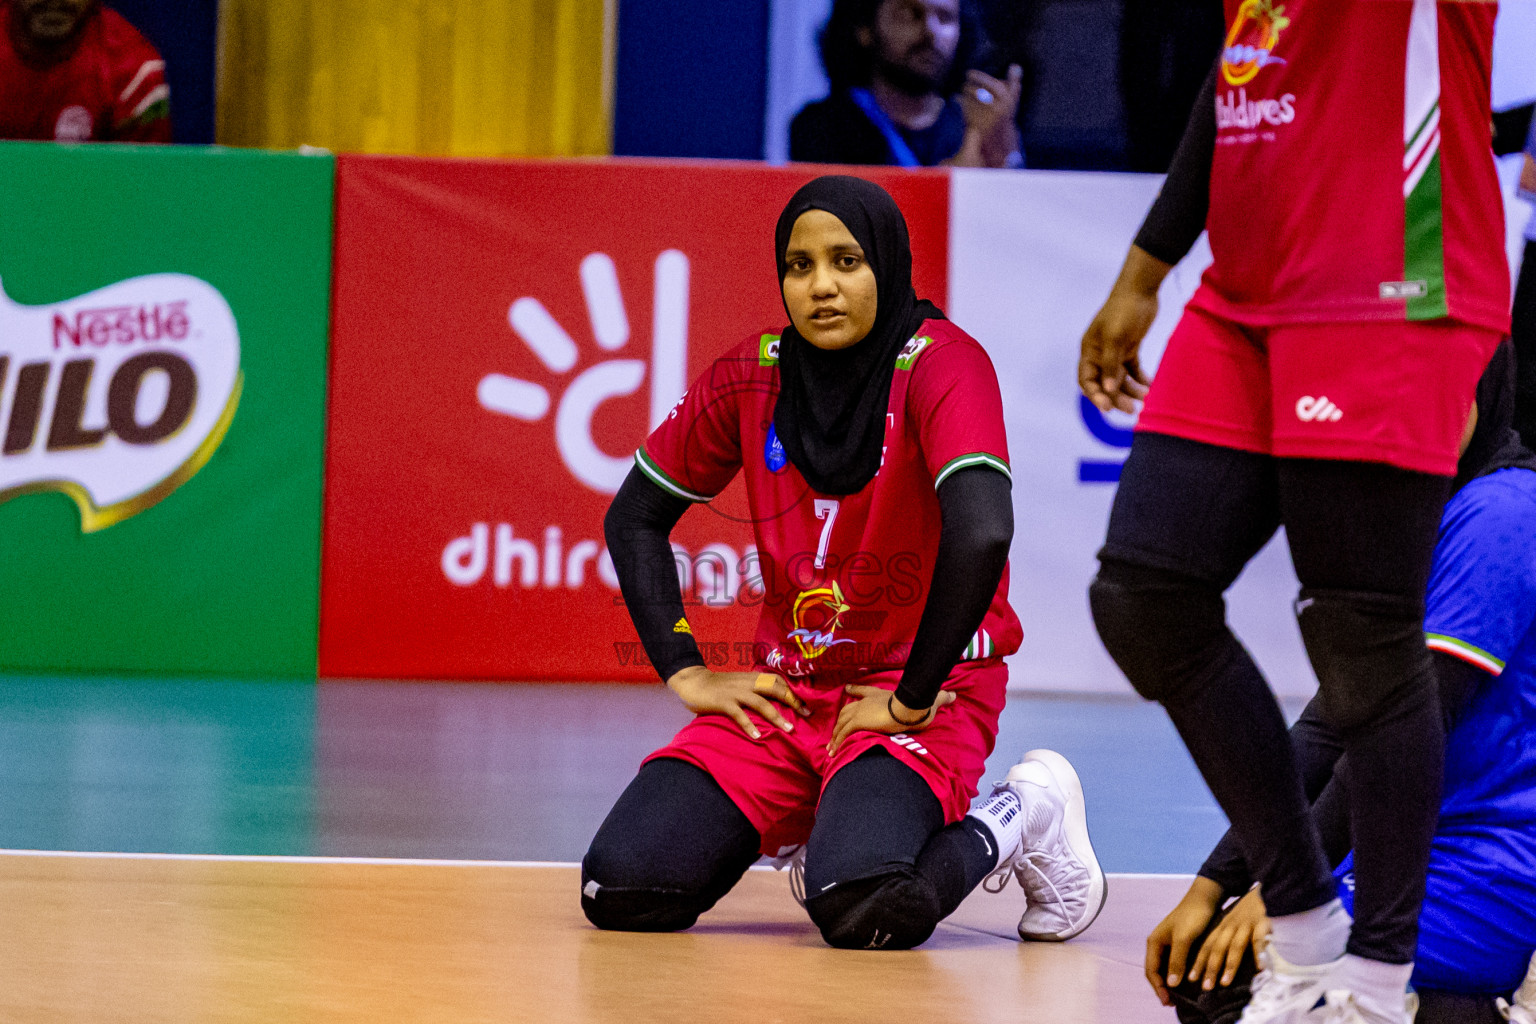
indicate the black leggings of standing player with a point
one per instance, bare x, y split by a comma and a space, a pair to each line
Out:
1187, 518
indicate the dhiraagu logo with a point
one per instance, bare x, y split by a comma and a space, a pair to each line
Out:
611, 378
118, 397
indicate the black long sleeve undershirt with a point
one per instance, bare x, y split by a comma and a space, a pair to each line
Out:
976, 512
1325, 774
1173, 224
637, 528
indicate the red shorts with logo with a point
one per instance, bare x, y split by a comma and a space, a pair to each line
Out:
777, 781
1397, 393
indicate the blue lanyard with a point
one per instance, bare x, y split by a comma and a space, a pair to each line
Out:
901, 153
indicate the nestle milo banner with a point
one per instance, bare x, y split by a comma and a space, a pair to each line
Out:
163, 321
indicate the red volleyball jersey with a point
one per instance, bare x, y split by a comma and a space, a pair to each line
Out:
842, 578
109, 88
1354, 177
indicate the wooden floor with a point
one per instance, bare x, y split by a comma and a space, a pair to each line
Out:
289, 941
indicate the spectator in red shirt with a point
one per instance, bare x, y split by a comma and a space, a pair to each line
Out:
76, 71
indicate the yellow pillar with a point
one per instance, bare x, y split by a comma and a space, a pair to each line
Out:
431, 77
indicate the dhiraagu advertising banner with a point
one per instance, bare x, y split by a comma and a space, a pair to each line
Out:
163, 326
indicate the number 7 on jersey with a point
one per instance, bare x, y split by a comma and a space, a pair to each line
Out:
826, 509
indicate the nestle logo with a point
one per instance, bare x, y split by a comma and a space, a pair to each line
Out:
112, 397
123, 325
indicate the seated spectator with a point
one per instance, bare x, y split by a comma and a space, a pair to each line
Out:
1477, 928
904, 93
76, 71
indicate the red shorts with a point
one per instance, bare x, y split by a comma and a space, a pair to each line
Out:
1397, 393
777, 781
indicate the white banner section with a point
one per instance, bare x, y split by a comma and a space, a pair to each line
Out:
1032, 256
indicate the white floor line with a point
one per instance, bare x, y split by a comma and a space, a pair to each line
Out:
1149, 874
279, 859
396, 861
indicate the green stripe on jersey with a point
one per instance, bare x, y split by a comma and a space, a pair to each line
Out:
1424, 245
157, 111
980, 647
967, 461
1417, 132
666, 483
1423, 283
1463, 650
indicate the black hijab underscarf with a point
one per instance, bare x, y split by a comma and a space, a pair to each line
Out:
1495, 444
830, 414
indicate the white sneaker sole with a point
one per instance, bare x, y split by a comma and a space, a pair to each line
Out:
1075, 828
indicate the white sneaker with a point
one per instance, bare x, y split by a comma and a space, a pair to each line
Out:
1061, 877
1287, 993
1524, 1009
792, 857
1340, 1006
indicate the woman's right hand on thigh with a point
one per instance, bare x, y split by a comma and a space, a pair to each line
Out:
732, 693
1176, 932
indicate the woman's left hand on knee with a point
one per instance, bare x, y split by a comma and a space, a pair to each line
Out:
1244, 927
871, 711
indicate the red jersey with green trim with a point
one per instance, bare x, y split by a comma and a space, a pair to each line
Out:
842, 578
109, 88
1354, 177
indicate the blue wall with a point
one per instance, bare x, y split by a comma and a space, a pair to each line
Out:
186, 33
692, 78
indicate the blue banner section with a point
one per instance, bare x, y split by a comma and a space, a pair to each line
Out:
186, 34
692, 79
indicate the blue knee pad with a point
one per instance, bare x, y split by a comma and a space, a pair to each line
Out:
1167, 633
1368, 652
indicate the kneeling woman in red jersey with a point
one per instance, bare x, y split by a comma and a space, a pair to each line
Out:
870, 435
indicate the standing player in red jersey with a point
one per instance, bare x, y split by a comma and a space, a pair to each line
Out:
870, 436
1320, 379
75, 71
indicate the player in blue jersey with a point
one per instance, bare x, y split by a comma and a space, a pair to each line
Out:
1477, 928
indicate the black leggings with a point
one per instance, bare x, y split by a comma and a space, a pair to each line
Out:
881, 868
1187, 518
1325, 773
